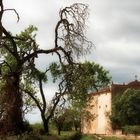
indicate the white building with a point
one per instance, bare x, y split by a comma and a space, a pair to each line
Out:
100, 106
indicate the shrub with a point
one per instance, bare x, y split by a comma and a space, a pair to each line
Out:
37, 127
27, 126
76, 136
131, 129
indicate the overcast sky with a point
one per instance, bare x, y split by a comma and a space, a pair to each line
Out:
113, 26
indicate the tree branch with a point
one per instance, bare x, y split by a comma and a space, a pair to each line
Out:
18, 18
35, 100
42, 95
1, 13
14, 46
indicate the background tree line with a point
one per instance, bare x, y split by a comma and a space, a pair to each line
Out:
126, 111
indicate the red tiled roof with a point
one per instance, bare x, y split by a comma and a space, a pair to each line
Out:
118, 88
101, 91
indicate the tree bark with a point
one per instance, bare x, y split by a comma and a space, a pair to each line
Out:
45, 124
12, 118
59, 130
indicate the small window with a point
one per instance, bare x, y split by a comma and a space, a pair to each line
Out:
106, 106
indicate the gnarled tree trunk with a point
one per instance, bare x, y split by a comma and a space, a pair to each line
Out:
12, 120
45, 123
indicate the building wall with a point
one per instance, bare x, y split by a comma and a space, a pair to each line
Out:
88, 120
100, 108
103, 125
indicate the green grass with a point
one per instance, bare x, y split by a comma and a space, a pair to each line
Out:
65, 135
37, 126
111, 138
86, 138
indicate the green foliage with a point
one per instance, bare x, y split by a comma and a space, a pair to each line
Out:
58, 119
38, 75
37, 126
27, 43
55, 71
67, 119
27, 126
72, 119
126, 108
76, 136
79, 79
131, 129
9, 65
86, 77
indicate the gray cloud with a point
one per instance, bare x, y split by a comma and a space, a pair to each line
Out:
118, 18
113, 26
115, 31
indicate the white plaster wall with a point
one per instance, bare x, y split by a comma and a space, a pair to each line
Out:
89, 125
103, 125
101, 104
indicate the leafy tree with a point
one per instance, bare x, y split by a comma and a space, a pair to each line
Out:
66, 119
36, 79
87, 72
87, 76
126, 108
59, 119
73, 119
18, 61
131, 129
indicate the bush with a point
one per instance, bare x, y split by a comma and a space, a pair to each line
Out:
131, 129
37, 128
27, 126
76, 136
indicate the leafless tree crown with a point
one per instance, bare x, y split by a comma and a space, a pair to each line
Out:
70, 30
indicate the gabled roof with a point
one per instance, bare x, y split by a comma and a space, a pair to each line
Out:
101, 91
116, 89
135, 83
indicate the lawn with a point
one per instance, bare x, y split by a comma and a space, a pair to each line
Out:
70, 135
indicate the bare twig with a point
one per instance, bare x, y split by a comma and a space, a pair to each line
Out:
18, 18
